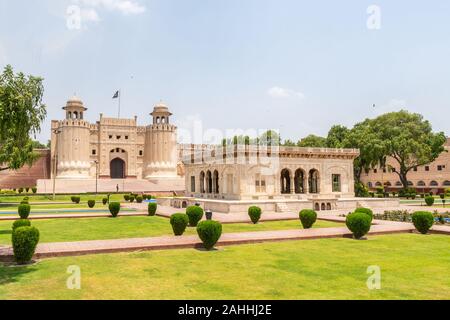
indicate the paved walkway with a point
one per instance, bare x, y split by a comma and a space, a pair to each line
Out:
60, 249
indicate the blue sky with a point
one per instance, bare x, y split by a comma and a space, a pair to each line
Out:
296, 66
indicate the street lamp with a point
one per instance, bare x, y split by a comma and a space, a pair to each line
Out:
55, 161
96, 177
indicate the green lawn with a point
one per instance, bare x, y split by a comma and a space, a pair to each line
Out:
62, 230
412, 267
37, 207
60, 198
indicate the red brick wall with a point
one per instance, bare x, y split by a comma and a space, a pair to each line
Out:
27, 176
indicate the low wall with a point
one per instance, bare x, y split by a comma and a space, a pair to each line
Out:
241, 206
173, 186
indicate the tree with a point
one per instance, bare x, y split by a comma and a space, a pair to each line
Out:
38, 145
313, 141
289, 143
337, 136
270, 138
21, 115
408, 139
371, 147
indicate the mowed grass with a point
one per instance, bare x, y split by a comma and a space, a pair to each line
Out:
412, 266
59, 198
63, 230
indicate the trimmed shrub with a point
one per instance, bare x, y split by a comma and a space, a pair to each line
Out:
152, 207
24, 242
179, 222
429, 200
366, 211
423, 221
24, 210
114, 208
442, 196
255, 214
139, 199
75, 199
105, 201
21, 223
359, 224
209, 232
34, 190
308, 218
195, 214
126, 197
20, 190
132, 198
91, 203
27, 189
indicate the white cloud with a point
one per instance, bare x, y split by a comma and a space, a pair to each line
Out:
278, 92
126, 7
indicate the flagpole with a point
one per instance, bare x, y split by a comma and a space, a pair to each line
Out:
120, 95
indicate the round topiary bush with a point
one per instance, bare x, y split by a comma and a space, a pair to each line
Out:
20, 190
209, 232
24, 242
105, 201
429, 200
255, 214
34, 190
24, 210
21, 223
195, 214
114, 208
366, 211
359, 224
126, 197
139, 199
179, 222
423, 221
308, 218
132, 198
91, 203
152, 207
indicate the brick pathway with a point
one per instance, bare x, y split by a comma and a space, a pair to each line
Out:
59, 249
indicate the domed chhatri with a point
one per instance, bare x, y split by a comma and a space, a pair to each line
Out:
74, 108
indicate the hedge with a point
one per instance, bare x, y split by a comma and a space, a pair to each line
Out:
24, 242
359, 224
152, 207
366, 211
255, 214
209, 232
24, 210
179, 222
308, 218
114, 208
195, 214
21, 223
91, 203
423, 221
429, 200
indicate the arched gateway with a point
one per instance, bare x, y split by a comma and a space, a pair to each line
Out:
117, 168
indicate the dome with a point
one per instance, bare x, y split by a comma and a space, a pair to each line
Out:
74, 103
161, 109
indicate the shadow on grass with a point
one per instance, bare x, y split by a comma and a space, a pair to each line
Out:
11, 273
6, 231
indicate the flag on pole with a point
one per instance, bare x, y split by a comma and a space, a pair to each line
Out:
116, 95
